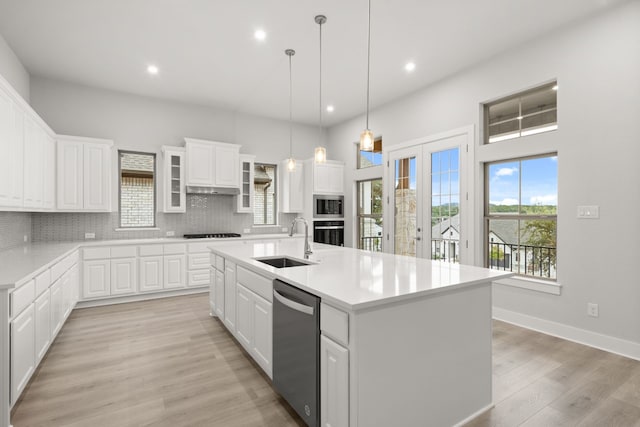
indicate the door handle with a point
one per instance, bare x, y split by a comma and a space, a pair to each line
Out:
292, 304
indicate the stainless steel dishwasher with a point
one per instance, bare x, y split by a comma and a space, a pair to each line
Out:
296, 349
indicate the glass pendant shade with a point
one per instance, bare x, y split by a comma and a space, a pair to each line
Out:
320, 155
291, 164
366, 140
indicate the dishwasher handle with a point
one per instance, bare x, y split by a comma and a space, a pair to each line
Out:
292, 304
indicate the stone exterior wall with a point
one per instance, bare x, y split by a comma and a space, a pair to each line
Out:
405, 222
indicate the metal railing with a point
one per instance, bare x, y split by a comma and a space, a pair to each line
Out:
371, 243
537, 261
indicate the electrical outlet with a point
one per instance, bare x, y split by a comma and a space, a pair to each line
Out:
89, 235
246, 230
285, 229
592, 309
589, 212
26, 238
171, 233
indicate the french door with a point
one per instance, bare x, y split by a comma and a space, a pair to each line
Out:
428, 199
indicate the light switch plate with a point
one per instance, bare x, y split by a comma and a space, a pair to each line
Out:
246, 230
89, 235
171, 233
589, 212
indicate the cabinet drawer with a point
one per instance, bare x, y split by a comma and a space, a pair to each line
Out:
22, 297
178, 249
150, 250
199, 247
219, 263
66, 263
198, 261
96, 253
334, 323
43, 281
255, 283
199, 278
123, 252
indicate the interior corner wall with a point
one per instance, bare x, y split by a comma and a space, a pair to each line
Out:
13, 71
596, 63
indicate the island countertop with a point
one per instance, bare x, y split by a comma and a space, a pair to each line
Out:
356, 279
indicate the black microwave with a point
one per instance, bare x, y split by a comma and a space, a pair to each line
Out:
328, 206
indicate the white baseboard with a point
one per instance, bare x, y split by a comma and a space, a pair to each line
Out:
140, 297
581, 336
474, 415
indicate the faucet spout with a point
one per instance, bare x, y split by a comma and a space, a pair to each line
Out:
307, 247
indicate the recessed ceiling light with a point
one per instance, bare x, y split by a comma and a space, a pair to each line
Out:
555, 87
330, 108
410, 66
260, 35
153, 70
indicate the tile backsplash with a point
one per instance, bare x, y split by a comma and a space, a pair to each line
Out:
13, 227
205, 214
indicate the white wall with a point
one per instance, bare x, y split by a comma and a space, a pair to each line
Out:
12, 70
597, 64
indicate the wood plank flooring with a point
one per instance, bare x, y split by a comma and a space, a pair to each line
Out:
167, 363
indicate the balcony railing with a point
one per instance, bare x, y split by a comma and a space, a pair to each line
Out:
371, 243
537, 261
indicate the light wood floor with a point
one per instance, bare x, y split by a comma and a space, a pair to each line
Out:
167, 363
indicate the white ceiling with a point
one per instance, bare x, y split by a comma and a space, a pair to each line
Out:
207, 54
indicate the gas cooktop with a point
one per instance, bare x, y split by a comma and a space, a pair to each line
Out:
211, 236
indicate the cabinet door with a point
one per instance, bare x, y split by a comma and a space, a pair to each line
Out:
49, 171
334, 384
66, 295
292, 188
212, 291
33, 163
70, 175
175, 271
96, 279
174, 194
150, 273
244, 314
56, 308
320, 179
230, 296
97, 177
17, 166
43, 325
7, 139
200, 163
227, 163
75, 285
22, 351
219, 298
123, 276
244, 201
262, 344
336, 178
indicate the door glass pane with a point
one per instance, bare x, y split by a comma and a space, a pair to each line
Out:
405, 206
445, 206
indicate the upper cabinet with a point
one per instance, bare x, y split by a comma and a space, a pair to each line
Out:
11, 152
175, 198
84, 174
39, 166
244, 201
328, 178
212, 164
292, 187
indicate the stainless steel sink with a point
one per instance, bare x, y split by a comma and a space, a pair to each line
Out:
283, 262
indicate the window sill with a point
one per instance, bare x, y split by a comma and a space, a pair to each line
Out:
543, 286
137, 229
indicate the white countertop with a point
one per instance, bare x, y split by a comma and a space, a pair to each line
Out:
355, 279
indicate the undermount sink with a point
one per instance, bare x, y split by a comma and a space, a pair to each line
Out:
283, 262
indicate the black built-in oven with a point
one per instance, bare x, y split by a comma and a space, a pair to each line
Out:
329, 232
328, 206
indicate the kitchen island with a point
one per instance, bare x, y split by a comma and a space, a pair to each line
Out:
404, 341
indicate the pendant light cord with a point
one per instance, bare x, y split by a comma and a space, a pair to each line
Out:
290, 112
320, 74
368, 61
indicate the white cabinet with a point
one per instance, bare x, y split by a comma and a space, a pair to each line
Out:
328, 178
33, 164
334, 384
292, 188
11, 152
212, 291
262, 343
49, 172
151, 269
175, 271
123, 276
96, 279
174, 194
230, 296
22, 351
57, 309
244, 323
84, 174
244, 201
42, 325
219, 295
212, 164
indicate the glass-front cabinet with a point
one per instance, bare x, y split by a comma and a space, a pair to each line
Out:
174, 179
245, 199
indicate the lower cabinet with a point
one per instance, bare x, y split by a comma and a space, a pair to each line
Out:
23, 360
96, 281
230, 296
175, 271
253, 326
244, 323
57, 307
219, 297
150, 273
123, 276
43, 324
334, 383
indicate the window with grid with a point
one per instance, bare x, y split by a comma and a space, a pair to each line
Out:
137, 199
370, 215
265, 206
367, 159
521, 215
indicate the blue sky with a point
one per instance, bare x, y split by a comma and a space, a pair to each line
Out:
539, 182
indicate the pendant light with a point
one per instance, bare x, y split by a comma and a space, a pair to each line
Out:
291, 162
366, 137
320, 155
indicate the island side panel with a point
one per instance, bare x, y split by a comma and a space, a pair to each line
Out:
423, 362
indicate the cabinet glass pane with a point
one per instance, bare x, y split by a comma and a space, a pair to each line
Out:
245, 200
175, 161
175, 186
175, 173
175, 199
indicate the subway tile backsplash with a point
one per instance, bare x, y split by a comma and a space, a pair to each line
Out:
205, 214
13, 227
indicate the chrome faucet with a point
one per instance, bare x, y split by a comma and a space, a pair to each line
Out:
307, 248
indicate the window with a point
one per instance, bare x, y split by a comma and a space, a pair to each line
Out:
370, 215
521, 215
367, 159
264, 183
527, 113
137, 189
